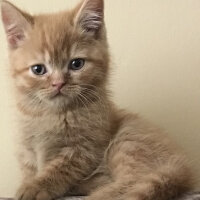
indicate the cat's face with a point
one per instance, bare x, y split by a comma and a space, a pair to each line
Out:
57, 59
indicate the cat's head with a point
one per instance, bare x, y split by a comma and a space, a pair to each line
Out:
57, 59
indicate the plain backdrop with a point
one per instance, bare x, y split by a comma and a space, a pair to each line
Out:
155, 46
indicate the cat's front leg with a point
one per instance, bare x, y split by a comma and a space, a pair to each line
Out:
58, 175
28, 165
32, 191
27, 161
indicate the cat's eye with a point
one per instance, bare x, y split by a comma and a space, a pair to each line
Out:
76, 64
39, 69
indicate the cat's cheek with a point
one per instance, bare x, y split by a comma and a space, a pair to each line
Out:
26, 83
75, 77
38, 81
21, 82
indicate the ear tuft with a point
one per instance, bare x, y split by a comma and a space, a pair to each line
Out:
91, 15
16, 23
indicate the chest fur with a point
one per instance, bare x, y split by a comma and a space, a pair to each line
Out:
47, 135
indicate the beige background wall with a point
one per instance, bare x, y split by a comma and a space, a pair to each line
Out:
155, 45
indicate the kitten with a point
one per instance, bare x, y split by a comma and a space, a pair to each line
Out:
74, 141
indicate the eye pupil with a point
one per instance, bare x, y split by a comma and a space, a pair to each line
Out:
77, 64
39, 69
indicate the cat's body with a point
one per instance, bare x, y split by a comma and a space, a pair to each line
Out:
73, 140
101, 153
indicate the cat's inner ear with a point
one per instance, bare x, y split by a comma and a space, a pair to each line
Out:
16, 23
90, 15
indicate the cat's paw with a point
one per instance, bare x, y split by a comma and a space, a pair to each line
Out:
32, 192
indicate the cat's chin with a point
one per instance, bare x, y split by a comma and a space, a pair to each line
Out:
59, 102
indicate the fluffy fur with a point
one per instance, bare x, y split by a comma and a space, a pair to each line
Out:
78, 142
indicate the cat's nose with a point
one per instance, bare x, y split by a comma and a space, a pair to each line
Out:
58, 85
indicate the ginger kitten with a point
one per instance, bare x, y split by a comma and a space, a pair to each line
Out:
74, 141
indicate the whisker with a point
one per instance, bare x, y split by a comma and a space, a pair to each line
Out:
85, 104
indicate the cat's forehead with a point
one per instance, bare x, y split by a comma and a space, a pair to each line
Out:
55, 35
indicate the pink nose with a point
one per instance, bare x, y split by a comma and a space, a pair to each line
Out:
58, 85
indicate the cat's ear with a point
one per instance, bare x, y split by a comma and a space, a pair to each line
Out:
16, 23
90, 15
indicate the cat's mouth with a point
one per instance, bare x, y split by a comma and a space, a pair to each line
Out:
63, 93
57, 94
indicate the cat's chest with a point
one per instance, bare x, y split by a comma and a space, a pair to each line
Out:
55, 130
52, 124
48, 135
